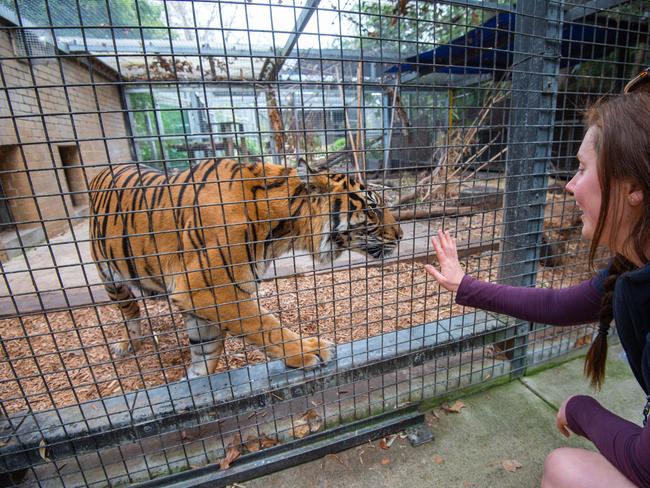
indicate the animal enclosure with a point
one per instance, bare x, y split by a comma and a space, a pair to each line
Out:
215, 216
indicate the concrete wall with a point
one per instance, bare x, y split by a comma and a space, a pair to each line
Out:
56, 132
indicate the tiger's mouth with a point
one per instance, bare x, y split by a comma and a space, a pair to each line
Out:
377, 249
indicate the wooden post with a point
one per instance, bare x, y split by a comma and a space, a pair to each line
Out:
275, 118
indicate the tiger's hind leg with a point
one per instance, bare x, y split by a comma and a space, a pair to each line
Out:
118, 292
206, 345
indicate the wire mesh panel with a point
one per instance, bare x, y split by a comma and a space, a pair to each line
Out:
215, 216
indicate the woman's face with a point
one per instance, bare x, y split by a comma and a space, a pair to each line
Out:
625, 207
585, 186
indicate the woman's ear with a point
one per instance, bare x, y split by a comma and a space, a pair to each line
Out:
635, 198
634, 194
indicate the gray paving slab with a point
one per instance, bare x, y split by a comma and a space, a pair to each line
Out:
620, 393
515, 421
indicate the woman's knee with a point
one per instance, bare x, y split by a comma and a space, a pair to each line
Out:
558, 469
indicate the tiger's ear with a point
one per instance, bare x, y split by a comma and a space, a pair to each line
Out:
303, 162
315, 181
318, 183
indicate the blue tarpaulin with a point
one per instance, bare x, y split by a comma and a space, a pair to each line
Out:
489, 47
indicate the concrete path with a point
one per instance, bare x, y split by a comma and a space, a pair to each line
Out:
61, 273
511, 422
65, 262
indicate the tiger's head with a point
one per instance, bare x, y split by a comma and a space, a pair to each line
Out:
353, 216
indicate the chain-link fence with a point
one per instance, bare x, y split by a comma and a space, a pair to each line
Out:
215, 217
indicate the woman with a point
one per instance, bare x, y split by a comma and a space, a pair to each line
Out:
612, 189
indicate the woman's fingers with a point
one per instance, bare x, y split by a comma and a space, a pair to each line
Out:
445, 247
449, 272
560, 419
440, 278
442, 243
436, 245
451, 244
562, 428
440, 249
435, 273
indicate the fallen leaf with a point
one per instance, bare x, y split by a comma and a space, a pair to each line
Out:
337, 458
511, 465
301, 430
455, 408
386, 442
430, 418
582, 341
233, 451
495, 352
385, 461
306, 424
438, 459
254, 444
42, 450
315, 422
267, 441
232, 454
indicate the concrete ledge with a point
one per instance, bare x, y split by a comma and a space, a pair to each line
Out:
10, 241
124, 418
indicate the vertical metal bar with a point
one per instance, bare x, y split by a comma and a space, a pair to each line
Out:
535, 68
272, 66
389, 115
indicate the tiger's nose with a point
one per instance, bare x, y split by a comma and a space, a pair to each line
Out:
400, 232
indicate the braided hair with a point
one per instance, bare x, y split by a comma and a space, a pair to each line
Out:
597, 354
622, 146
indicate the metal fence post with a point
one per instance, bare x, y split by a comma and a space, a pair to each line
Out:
535, 68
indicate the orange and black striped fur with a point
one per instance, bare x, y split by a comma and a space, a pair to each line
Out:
206, 235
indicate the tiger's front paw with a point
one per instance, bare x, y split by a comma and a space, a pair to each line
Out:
309, 353
196, 371
124, 348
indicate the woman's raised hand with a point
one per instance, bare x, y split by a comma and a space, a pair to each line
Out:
451, 273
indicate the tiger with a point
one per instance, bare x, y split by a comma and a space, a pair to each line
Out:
206, 235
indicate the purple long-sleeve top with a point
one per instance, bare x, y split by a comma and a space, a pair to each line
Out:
624, 444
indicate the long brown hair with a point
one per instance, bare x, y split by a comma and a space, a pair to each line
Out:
622, 146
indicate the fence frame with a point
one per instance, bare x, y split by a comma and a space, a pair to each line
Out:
113, 421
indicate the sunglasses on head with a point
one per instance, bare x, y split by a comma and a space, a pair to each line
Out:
639, 82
